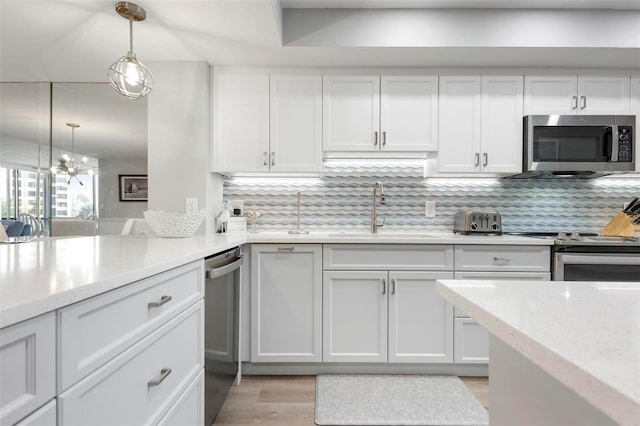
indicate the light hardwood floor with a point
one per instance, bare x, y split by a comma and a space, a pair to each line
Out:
289, 400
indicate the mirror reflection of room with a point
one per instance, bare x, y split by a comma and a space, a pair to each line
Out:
62, 168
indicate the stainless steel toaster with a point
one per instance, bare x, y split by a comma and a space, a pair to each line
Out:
477, 221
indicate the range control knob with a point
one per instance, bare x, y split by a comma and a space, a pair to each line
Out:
474, 226
624, 137
495, 227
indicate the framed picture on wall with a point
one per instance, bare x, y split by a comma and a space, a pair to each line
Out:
133, 187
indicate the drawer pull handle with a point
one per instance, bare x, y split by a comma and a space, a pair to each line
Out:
163, 300
163, 375
285, 248
502, 259
384, 286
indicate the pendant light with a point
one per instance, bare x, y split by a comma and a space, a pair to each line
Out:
128, 75
67, 163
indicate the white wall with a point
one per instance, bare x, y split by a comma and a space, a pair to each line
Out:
110, 205
178, 140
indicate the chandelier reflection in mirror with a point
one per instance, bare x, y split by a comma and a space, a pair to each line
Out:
67, 163
128, 75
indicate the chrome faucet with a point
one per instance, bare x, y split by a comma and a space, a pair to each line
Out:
374, 220
297, 230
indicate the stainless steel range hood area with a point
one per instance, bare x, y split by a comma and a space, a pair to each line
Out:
577, 146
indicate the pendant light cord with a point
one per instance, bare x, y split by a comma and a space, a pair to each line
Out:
131, 34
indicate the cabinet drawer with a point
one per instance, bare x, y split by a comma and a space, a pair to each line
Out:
500, 276
503, 258
189, 408
388, 256
121, 392
96, 330
27, 367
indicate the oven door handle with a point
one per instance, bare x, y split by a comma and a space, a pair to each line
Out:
599, 260
223, 270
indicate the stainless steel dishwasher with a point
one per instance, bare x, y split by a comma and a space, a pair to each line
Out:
221, 328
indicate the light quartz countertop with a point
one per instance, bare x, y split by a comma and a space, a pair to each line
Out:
46, 274
584, 334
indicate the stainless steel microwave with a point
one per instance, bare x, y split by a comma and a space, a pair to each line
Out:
578, 145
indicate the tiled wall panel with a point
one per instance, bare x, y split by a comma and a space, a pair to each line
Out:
340, 200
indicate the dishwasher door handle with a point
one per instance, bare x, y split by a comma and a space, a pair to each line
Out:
223, 270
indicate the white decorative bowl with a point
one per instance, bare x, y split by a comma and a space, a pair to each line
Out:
174, 225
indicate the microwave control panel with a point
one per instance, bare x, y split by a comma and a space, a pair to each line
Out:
625, 142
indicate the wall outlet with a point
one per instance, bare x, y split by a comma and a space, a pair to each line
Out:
429, 209
191, 205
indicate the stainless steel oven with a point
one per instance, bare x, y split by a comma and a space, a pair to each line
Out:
597, 259
221, 328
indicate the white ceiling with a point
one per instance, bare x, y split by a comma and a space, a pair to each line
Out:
76, 40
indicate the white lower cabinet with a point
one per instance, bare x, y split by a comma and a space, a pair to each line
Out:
140, 385
286, 303
471, 340
27, 367
189, 408
380, 316
45, 416
372, 315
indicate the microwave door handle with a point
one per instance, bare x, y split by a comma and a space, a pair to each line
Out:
615, 143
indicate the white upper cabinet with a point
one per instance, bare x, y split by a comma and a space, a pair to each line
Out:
267, 123
296, 123
409, 113
501, 124
480, 124
594, 95
241, 123
373, 113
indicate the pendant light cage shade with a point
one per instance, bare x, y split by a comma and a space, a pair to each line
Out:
130, 77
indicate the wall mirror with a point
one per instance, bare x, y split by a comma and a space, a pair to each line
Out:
35, 137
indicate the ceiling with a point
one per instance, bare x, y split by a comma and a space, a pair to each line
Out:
77, 40
74, 40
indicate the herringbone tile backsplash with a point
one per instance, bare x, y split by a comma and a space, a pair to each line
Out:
340, 199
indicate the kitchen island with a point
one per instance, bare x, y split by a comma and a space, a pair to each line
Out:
561, 353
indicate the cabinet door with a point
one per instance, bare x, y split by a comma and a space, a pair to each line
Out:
351, 113
286, 303
241, 123
501, 139
603, 95
635, 110
459, 124
409, 113
296, 123
471, 342
354, 316
545, 95
420, 320
27, 367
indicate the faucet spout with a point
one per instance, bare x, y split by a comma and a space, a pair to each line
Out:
374, 220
